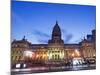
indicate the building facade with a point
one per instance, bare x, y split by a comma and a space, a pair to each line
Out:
56, 51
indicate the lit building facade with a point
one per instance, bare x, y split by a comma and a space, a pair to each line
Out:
56, 51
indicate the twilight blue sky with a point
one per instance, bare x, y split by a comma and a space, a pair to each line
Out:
36, 20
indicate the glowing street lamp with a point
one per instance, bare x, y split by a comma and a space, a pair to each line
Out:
73, 54
77, 52
94, 55
33, 55
37, 55
44, 55
28, 54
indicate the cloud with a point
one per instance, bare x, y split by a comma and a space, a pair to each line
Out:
40, 33
63, 31
79, 40
42, 41
41, 36
68, 37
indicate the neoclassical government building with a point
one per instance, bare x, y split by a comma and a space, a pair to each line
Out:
56, 51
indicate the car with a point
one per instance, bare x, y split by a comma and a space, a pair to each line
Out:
91, 61
19, 65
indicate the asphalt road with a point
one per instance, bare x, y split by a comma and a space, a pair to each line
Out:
42, 69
